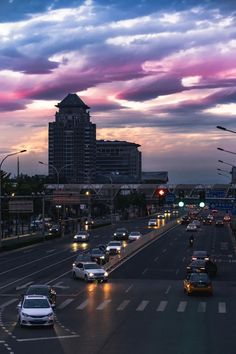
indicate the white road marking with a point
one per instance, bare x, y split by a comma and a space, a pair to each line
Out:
155, 259
24, 285
8, 303
201, 307
123, 305
162, 306
145, 271
142, 305
64, 304
182, 306
82, 305
46, 338
168, 289
103, 305
222, 307
58, 285
129, 288
50, 251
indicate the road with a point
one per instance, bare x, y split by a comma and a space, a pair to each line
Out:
142, 309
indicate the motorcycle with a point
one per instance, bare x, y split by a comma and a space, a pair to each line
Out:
191, 241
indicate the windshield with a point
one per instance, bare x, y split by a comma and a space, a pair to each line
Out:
92, 266
114, 244
36, 304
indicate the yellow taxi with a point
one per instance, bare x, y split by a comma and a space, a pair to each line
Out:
197, 283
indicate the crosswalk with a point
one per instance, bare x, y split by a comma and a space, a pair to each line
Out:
163, 305
181, 306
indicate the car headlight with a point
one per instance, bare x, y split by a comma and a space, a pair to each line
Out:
115, 234
25, 314
123, 234
102, 257
91, 274
105, 274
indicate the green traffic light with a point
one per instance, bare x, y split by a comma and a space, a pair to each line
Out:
201, 204
181, 204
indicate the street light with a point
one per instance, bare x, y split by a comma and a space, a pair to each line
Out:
221, 174
225, 129
230, 152
226, 163
14, 153
58, 171
219, 169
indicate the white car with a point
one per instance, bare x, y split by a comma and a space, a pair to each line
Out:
134, 235
82, 236
152, 222
191, 227
89, 271
35, 310
114, 247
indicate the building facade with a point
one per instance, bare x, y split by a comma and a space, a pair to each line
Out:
120, 160
72, 143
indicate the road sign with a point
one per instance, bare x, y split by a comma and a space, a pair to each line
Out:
65, 197
222, 205
21, 206
170, 198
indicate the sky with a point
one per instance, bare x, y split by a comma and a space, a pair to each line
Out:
161, 74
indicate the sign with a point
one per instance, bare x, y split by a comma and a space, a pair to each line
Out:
21, 206
170, 198
65, 197
222, 205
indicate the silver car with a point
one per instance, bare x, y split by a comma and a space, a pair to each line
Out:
134, 235
81, 236
35, 310
89, 271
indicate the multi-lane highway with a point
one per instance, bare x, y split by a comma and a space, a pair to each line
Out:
142, 309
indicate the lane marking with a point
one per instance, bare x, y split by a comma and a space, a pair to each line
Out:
222, 307
162, 306
201, 307
155, 259
182, 306
8, 303
168, 289
142, 305
46, 338
24, 285
129, 288
64, 304
145, 271
103, 305
123, 305
82, 305
50, 251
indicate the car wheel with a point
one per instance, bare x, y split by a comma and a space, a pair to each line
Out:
86, 278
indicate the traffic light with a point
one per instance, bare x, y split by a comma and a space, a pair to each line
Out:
202, 199
181, 199
161, 193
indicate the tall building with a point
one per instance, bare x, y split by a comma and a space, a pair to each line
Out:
120, 160
72, 142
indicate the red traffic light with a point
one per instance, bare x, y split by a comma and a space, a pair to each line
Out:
161, 192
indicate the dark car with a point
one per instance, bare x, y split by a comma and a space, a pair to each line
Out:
42, 289
99, 256
207, 221
197, 283
121, 234
219, 222
197, 266
200, 255
54, 231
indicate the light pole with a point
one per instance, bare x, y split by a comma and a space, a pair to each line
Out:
221, 174
111, 196
226, 163
230, 152
12, 154
225, 129
219, 169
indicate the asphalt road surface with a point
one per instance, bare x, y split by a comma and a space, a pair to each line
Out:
142, 308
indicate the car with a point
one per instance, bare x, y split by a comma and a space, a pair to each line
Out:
35, 310
227, 218
196, 222
43, 289
191, 227
152, 222
89, 271
54, 231
134, 235
207, 221
219, 222
197, 283
198, 254
99, 256
160, 216
197, 266
121, 234
114, 247
185, 220
81, 236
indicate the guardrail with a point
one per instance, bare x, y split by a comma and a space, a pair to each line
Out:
138, 245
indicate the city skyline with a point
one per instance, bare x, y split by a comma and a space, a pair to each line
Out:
158, 74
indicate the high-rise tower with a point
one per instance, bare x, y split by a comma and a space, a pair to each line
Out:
72, 142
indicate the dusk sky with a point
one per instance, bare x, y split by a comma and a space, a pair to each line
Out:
160, 73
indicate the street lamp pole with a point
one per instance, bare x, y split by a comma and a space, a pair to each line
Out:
230, 152
226, 163
12, 154
225, 129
